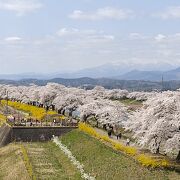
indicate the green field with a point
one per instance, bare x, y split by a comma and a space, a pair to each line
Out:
106, 164
49, 162
131, 102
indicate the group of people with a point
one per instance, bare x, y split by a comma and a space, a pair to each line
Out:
110, 129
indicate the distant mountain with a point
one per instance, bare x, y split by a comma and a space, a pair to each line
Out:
151, 75
106, 70
172, 75
109, 70
142, 75
23, 76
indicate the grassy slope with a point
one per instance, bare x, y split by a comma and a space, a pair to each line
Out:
11, 164
49, 162
106, 164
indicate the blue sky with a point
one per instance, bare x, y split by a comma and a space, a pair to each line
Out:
65, 35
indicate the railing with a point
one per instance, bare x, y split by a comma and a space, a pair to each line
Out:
43, 124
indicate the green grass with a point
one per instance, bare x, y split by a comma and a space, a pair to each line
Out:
106, 164
12, 166
49, 162
131, 102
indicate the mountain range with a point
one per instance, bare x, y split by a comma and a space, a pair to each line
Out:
151, 75
147, 72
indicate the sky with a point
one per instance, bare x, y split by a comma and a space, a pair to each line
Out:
47, 36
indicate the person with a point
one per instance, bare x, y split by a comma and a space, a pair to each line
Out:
109, 132
118, 135
54, 121
97, 124
36, 122
111, 127
104, 127
127, 142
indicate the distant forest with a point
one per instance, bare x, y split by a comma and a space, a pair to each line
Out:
89, 83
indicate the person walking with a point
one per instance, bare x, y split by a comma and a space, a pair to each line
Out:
118, 135
110, 130
127, 142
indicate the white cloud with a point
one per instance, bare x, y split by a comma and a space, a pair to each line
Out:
78, 48
20, 7
136, 36
103, 13
89, 35
170, 13
12, 39
66, 32
160, 37
109, 37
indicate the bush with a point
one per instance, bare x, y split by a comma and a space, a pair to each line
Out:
120, 147
35, 112
148, 161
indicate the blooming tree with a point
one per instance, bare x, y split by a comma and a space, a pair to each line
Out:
155, 126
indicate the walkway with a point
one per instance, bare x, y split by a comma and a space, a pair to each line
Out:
122, 140
132, 144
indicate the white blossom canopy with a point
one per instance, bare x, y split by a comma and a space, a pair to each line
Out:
156, 125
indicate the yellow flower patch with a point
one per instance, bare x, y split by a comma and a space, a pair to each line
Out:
131, 151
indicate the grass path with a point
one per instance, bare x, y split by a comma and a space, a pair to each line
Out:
49, 162
106, 164
12, 166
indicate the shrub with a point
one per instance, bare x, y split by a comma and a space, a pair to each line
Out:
148, 161
120, 147
35, 112
145, 160
2, 119
27, 163
87, 129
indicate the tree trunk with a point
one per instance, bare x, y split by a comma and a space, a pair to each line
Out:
178, 157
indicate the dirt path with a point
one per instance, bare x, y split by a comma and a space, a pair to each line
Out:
122, 140
139, 149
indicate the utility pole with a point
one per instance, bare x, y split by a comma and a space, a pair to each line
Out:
46, 117
46, 109
162, 84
